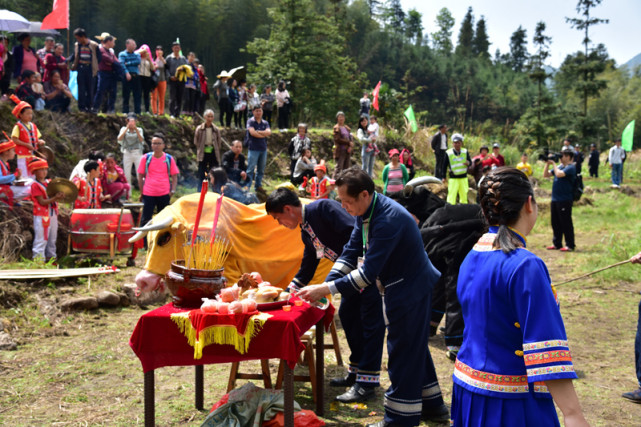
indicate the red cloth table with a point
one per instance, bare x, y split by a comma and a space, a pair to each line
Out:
158, 342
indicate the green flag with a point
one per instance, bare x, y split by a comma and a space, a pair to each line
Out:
409, 113
627, 136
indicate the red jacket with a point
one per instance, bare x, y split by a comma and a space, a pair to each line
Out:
91, 193
40, 189
28, 136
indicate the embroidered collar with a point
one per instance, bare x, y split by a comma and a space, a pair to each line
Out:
495, 229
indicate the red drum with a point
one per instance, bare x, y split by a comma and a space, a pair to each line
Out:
91, 230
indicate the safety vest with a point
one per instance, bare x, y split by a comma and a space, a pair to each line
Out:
29, 136
457, 162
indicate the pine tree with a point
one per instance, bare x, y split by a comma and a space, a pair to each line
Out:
442, 39
481, 43
414, 27
588, 84
518, 49
466, 35
537, 71
306, 48
394, 16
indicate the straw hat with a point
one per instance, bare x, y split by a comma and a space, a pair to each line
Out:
223, 74
104, 36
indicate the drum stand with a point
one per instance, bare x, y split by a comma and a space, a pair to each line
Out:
131, 261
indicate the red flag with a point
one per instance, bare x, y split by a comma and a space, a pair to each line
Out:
59, 16
375, 95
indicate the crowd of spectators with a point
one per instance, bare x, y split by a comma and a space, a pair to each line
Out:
145, 78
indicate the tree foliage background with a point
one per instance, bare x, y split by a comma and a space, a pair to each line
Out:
330, 51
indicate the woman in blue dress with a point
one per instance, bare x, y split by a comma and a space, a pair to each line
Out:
515, 362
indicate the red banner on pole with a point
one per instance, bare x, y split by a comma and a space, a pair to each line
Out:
59, 16
375, 95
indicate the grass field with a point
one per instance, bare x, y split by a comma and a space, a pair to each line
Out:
78, 369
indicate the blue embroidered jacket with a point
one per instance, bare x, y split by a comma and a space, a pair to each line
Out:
326, 226
395, 255
514, 338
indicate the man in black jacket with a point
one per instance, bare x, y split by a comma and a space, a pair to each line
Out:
325, 229
235, 165
593, 161
439, 146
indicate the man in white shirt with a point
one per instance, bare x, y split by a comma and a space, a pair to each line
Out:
615, 159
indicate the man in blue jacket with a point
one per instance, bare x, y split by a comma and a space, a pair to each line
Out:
386, 250
325, 229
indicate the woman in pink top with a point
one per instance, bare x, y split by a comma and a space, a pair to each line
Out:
24, 56
394, 174
157, 178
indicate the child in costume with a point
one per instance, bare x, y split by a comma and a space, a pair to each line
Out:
319, 186
90, 189
45, 212
10, 192
25, 134
514, 363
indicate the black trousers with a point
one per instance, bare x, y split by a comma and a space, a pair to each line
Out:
151, 204
85, 87
267, 115
226, 111
439, 168
145, 84
562, 226
176, 90
134, 88
362, 320
445, 303
594, 171
283, 118
208, 162
192, 97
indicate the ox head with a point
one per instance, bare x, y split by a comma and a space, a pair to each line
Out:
258, 243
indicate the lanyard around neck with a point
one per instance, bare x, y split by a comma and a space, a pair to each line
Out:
366, 226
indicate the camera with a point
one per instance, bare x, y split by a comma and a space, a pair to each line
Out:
547, 155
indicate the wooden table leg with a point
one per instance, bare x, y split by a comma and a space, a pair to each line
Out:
320, 367
150, 410
199, 386
288, 390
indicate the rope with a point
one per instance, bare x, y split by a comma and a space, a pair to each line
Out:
593, 272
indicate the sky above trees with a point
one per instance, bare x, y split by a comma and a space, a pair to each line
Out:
503, 17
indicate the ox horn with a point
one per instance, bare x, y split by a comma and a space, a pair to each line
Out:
150, 226
142, 231
420, 181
